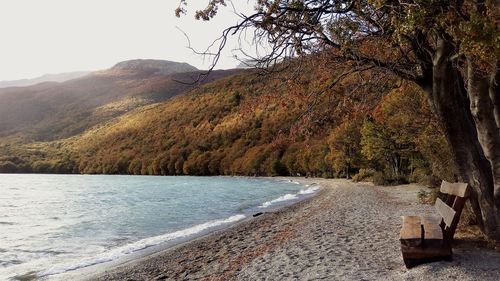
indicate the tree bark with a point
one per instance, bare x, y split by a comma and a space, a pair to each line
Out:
449, 99
482, 92
494, 93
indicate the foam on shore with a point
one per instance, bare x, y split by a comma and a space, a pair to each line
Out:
124, 250
287, 197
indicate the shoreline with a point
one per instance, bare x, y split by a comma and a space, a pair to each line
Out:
346, 231
308, 190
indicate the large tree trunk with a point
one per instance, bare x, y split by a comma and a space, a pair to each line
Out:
483, 95
494, 93
448, 96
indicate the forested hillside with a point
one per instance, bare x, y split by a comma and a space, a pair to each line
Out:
248, 124
50, 110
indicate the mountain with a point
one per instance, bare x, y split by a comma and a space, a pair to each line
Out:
51, 110
61, 77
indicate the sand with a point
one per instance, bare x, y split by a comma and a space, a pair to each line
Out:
349, 231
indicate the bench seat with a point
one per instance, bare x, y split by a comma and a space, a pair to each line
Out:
422, 241
426, 239
411, 232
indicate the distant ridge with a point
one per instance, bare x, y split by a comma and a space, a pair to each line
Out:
153, 67
142, 66
48, 111
59, 77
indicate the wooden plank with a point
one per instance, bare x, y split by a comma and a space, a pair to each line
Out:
445, 211
417, 253
432, 230
411, 232
411, 220
458, 188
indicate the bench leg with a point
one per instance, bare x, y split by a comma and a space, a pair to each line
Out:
448, 258
410, 263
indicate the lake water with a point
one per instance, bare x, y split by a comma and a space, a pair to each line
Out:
52, 224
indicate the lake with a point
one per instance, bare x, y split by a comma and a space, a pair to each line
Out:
52, 224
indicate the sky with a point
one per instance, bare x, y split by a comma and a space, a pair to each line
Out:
55, 36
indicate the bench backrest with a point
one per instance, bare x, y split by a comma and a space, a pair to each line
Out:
451, 209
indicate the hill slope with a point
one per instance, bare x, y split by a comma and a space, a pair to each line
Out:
53, 110
241, 125
60, 77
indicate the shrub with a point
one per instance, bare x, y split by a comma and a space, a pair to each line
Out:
428, 197
401, 179
278, 168
381, 178
363, 174
425, 177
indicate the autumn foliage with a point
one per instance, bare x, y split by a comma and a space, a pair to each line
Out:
260, 125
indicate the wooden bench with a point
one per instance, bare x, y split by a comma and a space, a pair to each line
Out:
427, 239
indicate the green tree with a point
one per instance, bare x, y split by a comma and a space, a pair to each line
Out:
379, 145
407, 115
345, 147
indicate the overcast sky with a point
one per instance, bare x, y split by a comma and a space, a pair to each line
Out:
54, 36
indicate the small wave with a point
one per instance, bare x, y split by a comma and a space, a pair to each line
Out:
310, 190
289, 181
44, 252
7, 223
288, 197
26, 277
139, 245
10, 262
285, 197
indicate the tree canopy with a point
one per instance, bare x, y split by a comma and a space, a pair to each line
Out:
451, 49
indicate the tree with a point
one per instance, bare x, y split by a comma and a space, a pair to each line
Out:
451, 49
405, 111
345, 149
379, 145
403, 135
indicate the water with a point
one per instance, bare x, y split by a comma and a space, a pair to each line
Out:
52, 224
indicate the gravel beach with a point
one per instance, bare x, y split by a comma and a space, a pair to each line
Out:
349, 231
